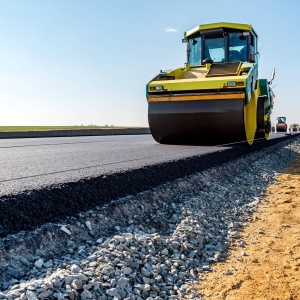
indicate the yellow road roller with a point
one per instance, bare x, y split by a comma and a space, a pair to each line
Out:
216, 97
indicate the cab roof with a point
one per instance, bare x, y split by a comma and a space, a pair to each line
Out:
220, 25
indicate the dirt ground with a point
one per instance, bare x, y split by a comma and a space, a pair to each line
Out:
264, 262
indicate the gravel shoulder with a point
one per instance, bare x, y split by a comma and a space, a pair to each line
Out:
264, 261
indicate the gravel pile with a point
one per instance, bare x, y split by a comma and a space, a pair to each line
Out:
152, 246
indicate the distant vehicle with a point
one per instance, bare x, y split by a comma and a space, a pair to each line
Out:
295, 127
281, 125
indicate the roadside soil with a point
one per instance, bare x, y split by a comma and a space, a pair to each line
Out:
263, 263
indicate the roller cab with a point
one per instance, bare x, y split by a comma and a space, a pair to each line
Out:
217, 96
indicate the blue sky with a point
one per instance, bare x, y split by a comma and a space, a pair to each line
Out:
76, 62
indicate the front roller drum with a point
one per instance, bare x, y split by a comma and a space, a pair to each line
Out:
201, 122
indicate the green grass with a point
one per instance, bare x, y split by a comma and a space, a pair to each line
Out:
39, 128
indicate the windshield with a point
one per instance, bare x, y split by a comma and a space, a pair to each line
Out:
194, 57
228, 47
281, 120
215, 49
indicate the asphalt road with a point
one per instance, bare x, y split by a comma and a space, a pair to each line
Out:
28, 164
49, 179
34, 163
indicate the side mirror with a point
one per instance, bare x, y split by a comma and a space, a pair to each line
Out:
272, 76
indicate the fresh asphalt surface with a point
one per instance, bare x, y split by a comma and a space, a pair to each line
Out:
47, 179
37, 162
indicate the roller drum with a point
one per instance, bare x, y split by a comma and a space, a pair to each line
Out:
206, 121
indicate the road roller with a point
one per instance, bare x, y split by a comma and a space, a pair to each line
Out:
281, 125
216, 97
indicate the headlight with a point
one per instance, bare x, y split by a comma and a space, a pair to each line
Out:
231, 83
157, 88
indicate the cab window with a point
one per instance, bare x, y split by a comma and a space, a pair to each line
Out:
215, 49
237, 47
194, 56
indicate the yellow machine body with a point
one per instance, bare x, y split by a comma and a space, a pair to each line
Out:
216, 97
